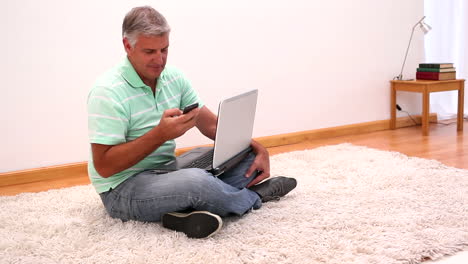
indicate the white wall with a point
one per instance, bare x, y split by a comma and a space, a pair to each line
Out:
316, 63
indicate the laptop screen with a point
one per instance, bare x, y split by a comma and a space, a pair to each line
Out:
236, 117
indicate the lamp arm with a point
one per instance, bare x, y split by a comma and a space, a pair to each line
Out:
400, 77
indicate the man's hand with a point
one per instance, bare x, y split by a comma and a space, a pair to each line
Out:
174, 124
260, 164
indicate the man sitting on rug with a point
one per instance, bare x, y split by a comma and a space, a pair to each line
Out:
134, 117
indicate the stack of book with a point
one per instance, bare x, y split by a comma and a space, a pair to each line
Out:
436, 71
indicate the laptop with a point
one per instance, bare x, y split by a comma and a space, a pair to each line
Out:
234, 129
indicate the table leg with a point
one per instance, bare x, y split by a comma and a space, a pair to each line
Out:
460, 112
425, 113
393, 107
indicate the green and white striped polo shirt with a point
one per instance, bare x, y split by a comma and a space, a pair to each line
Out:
122, 108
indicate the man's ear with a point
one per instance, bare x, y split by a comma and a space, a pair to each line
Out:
127, 45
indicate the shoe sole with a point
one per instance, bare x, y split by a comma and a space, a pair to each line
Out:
198, 224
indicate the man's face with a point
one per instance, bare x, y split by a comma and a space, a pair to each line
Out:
148, 56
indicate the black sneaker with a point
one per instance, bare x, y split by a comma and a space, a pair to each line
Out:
196, 224
274, 188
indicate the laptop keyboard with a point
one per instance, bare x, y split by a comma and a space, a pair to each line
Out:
203, 162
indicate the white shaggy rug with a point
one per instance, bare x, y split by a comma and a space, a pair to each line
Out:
352, 205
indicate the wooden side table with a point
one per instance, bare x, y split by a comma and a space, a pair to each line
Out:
425, 87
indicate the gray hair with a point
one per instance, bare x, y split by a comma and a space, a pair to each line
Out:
143, 20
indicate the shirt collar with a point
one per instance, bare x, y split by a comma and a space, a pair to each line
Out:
130, 75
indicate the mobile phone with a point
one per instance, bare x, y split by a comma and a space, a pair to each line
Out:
190, 108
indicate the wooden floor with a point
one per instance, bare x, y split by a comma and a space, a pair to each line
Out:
444, 143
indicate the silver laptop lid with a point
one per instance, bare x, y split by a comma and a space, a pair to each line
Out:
236, 117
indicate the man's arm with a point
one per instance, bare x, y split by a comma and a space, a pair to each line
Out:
111, 159
207, 122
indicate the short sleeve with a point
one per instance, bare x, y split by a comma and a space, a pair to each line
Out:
107, 119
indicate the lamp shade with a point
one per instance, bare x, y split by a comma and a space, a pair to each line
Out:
424, 27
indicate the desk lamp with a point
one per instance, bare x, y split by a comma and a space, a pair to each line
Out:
425, 28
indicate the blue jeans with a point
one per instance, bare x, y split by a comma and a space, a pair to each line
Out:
147, 196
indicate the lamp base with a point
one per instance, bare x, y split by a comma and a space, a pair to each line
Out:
400, 78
